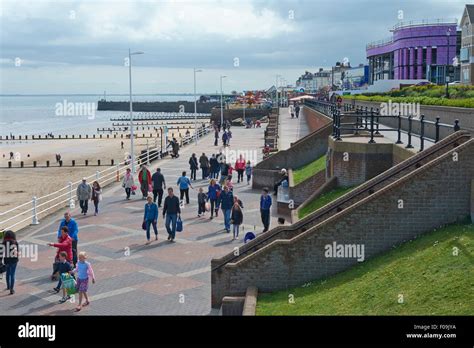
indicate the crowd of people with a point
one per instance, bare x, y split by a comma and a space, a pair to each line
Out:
217, 195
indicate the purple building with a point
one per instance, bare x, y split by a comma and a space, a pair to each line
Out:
417, 50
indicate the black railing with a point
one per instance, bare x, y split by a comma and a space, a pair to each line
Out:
358, 120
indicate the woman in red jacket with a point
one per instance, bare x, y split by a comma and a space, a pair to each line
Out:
65, 244
240, 168
144, 177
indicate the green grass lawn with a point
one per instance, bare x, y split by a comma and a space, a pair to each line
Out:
302, 173
323, 200
425, 271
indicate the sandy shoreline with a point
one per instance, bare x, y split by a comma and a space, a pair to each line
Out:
19, 185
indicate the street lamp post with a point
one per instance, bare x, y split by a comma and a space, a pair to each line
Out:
448, 34
195, 108
222, 110
130, 54
276, 89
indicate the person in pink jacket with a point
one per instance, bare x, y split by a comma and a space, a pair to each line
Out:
84, 273
240, 168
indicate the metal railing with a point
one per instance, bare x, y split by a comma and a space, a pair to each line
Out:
370, 121
65, 196
422, 22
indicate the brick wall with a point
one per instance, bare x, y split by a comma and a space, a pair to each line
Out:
363, 161
299, 193
435, 194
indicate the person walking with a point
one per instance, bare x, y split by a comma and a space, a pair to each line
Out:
216, 137
291, 109
224, 138
144, 177
10, 258
171, 209
225, 167
240, 168
73, 232
297, 110
84, 193
184, 184
84, 273
175, 146
64, 244
121, 145
193, 165
229, 136
213, 192
159, 185
150, 217
248, 171
265, 205
213, 166
237, 218
128, 182
96, 196
202, 198
62, 266
204, 163
226, 201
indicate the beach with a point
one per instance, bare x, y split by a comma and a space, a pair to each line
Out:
19, 185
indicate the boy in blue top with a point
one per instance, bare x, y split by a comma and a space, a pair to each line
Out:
184, 184
73, 230
265, 204
150, 218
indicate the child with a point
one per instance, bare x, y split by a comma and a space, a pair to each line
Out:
202, 198
84, 272
63, 266
248, 171
228, 183
237, 218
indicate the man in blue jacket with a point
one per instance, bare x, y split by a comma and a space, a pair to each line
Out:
71, 224
226, 199
265, 205
150, 218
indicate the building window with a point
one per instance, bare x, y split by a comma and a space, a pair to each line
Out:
424, 55
434, 55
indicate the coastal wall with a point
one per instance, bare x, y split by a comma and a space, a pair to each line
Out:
435, 194
176, 106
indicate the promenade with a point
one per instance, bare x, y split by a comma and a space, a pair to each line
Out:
133, 278
290, 129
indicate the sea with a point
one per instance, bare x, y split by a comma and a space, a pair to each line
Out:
64, 114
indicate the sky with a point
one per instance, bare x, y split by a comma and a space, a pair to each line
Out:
80, 47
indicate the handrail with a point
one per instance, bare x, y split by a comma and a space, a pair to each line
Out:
336, 204
106, 175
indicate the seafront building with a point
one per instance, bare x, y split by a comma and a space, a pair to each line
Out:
416, 50
467, 46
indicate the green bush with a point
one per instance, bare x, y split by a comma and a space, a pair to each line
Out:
460, 96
